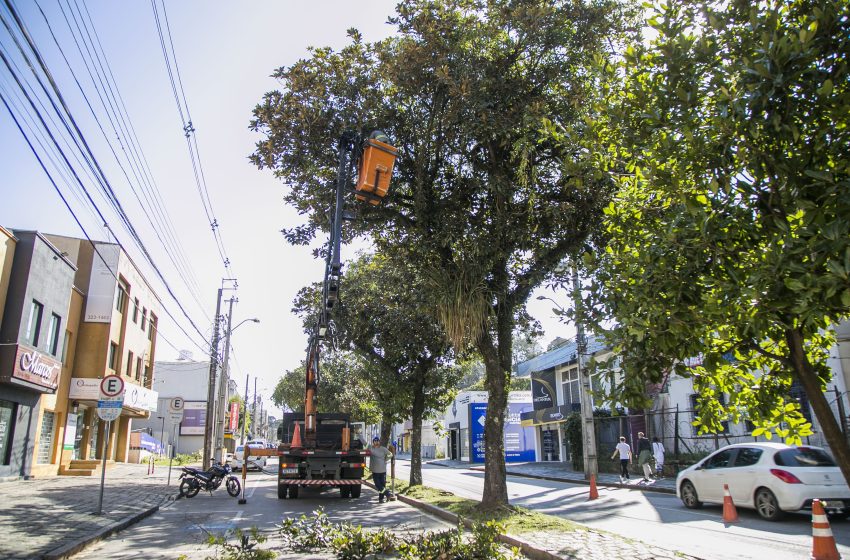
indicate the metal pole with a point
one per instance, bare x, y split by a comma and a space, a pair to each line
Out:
222, 387
254, 406
161, 435
103, 469
242, 499
591, 465
209, 421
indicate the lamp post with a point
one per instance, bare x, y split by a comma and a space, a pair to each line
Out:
225, 376
161, 434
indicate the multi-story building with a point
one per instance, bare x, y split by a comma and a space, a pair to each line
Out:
39, 317
117, 336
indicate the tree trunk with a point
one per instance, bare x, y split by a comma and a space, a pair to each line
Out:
809, 379
497, 364
386, 428
416, 435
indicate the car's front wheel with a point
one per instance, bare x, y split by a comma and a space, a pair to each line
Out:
767, 505
689, 495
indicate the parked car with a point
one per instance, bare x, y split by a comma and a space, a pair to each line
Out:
771, 478
253, 462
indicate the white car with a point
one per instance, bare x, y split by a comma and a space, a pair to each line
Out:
771, 478
253, 462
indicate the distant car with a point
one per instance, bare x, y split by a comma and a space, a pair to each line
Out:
253, 462
771, 478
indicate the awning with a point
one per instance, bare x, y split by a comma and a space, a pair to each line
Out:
547, 415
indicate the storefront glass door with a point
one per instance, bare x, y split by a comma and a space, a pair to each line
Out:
550, 444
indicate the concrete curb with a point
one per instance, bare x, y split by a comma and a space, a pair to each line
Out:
68, 550
575, 480
526, 548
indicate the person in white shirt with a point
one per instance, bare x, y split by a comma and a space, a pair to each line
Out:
658, 452
625, 452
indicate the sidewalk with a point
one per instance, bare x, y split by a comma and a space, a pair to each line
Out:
561, 472
49, 517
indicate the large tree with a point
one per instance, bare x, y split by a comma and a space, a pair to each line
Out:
488, 103
730, 237
385, 317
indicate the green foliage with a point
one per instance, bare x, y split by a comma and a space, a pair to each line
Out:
574, 437
344, 387
729, 238
181, 459
245, 548
348, 541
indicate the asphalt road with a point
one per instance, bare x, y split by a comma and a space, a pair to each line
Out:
654, 518
182, 526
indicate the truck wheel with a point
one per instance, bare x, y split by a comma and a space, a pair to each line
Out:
345, 491
281, 492
293, 492
355, 491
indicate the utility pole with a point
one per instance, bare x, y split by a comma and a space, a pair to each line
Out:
591, 466
222, 388
254, 407
209, 421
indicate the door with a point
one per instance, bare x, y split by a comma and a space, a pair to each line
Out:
551, 445
713, 475
453, 454
743, 474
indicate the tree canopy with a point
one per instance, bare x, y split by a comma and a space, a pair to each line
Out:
729, 239
487, 103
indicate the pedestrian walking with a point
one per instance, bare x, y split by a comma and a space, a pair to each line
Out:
378, 457
644, 448
625, 451
658, 453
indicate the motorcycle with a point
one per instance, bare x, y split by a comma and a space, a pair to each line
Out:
194, 480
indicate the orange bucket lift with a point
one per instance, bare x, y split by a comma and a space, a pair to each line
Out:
376, 168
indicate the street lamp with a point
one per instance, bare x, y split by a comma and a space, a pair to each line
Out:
161, 434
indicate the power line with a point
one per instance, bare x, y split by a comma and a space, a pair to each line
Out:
87, 153
73, 214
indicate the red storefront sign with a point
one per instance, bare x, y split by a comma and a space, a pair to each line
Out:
234, 417
36, 368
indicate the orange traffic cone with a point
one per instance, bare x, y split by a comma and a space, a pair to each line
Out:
594, 493
823, 543
296, 438
730, 514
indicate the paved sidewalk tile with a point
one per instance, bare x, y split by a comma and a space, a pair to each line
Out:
44, 514
563, 473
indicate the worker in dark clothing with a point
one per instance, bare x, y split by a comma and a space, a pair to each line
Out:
644, 448
378, 458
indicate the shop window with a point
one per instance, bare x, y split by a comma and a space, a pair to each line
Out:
7, 430
45, 438
53, 334
34, 322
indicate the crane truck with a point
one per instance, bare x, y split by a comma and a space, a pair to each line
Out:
316, 449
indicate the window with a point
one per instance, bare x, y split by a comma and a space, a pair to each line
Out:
7, 429
65, 346
136, 310
113, 356
147, 376
152, 326
34, 322
129, 363
803, 457
144, 318
138, 368
748, 456
121, 298
718, 460
571, 387
53, 334
45, 438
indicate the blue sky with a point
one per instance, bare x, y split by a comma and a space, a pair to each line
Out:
226, 52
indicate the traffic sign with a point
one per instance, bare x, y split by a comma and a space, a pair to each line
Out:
176, 405
111, 398
111, 386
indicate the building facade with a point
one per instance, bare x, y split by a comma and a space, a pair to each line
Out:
117, 336
34, 341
